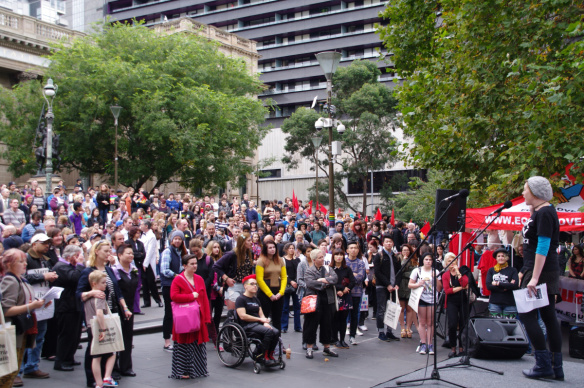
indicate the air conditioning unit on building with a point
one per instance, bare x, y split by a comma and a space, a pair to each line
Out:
62, 22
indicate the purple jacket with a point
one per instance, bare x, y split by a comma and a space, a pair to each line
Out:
76, 219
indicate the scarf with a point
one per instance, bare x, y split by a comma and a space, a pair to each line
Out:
499, 267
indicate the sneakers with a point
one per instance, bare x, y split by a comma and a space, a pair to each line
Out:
168, 348
348, 331
359, 332
423, 349
110, 382
452, 353
362, 328
430, 349
382, 337
391, 337
309, 354
419, 346
329, 352
304, 347
345, 345
352, 341
314, 347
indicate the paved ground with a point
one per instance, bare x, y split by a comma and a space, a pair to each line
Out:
371, 363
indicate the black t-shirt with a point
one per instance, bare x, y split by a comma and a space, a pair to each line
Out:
543, 222
251, 305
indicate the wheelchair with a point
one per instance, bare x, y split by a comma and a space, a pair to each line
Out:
234, 345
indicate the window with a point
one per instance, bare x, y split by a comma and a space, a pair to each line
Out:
383, 178
273, 173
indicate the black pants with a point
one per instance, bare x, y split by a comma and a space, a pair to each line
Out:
339, 325
272, 308
269, 336
382, 297
50, 344
457, 314
167, 320
125, 357
216, 311
88, 360
534, 331
149, 286
322, 317
355, 315
69, 326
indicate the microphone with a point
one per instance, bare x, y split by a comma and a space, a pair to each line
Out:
462, 193
506, 205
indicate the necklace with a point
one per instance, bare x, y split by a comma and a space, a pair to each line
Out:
540, 205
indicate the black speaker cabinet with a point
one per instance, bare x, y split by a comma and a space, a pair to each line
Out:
496, 338
455, 217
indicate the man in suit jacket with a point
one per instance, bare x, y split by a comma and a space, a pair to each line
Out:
387, 278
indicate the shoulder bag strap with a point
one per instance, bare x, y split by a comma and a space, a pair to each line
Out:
187, 282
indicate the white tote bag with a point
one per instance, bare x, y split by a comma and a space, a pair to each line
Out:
415, 294
8, 358
113, 341
392, 312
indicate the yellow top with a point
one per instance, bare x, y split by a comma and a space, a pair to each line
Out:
274, 273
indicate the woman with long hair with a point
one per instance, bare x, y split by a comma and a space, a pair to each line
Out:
576, 263
292, 263
234, 266
256, 246
272, 279
217, 301
99, 256
344, 285
103, 202
404, 290
440, 257
357, 233
94, 218
39, 200
423, 277
372, 252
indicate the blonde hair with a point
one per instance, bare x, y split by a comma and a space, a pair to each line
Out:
96, 276
449, 256
92, 255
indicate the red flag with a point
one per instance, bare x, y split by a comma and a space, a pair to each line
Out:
309, 208
295, 202
378, 216
426, 228
322, 209
392, 220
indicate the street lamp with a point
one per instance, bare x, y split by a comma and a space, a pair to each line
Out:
316, 140
328, 61
116, 112
49, 92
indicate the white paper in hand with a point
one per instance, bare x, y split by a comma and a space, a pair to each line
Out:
525, 302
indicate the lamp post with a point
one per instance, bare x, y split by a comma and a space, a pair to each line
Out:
116, 112
316, 140
328, 61
49, 92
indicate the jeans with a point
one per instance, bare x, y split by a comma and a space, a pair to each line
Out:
33, 356
286, 309
103, 214
501, 310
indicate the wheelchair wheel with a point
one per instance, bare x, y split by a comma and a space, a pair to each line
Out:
282, 364
257, 368
231, 345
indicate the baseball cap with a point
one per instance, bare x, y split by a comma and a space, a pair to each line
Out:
39, 237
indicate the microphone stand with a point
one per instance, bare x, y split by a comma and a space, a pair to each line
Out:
465, 359
435, 375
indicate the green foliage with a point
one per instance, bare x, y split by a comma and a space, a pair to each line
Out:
495, 89
367, 108
188, 111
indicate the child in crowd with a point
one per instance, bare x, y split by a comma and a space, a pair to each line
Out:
94, 307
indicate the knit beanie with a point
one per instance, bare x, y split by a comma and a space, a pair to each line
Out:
177, 233
540, 187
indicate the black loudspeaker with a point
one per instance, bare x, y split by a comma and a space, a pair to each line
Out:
455, 217
496, 338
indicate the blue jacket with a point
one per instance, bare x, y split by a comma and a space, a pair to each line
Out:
84, 286
172, 204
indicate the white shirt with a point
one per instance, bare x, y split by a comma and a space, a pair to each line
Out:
151, 248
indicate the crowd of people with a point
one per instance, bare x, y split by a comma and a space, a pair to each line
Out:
106, 248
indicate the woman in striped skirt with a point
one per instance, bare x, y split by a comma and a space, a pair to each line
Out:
189, 358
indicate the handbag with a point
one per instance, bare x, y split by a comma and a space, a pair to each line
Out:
308, 304
186, 316
24, 323
289, 290
392, 312
113, 341
8, 360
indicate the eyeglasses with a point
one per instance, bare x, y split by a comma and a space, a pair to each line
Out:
252, 284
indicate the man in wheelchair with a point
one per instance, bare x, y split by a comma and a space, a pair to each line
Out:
255, 323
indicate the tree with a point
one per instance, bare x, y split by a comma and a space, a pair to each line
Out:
367, 107
494, 92
189, 112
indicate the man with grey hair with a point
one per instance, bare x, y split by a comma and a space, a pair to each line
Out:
69, 269
14, 216
4, 198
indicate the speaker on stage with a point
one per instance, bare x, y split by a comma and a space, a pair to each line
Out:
455, 217
497, 338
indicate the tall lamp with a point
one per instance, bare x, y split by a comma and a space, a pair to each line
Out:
49, 92
116, 112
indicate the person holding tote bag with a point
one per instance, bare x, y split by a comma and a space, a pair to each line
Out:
17, 299
189, 358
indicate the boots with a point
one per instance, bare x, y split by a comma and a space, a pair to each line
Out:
269, 361
543, 366
557, 366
